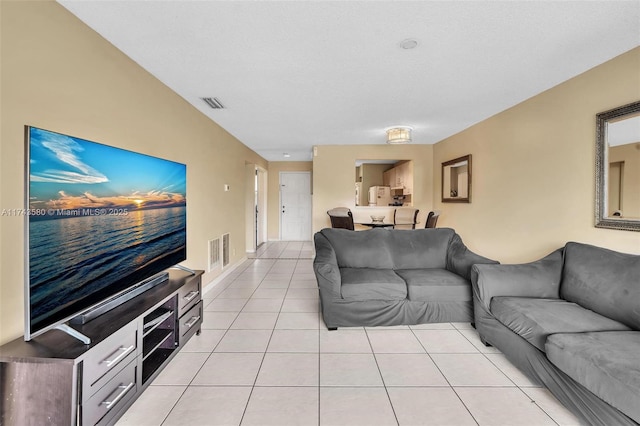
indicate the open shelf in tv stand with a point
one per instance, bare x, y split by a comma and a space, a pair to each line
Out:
159, 337
92, 384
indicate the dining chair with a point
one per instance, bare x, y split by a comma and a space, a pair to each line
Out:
432, 219
341, 217
405, 218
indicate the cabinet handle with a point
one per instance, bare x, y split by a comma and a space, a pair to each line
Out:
192, 321
123, 352
118, 397
189, 297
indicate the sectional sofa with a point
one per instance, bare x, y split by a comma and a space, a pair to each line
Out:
571, 322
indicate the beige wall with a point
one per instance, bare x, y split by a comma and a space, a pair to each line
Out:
273, 192
334, 184
534, 169
60, 75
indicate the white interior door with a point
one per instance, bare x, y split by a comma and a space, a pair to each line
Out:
295, 206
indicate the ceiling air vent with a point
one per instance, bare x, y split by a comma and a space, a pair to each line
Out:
213, 103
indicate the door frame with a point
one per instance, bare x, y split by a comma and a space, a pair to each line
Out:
256, 195
310, 236
260, 208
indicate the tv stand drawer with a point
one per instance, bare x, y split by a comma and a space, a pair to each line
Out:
190, 323
108, 400
189, 295
108, 357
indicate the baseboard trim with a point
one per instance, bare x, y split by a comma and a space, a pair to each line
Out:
226, 272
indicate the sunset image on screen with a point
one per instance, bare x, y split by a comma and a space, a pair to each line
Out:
69, 173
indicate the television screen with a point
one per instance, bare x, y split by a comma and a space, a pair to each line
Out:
100, 220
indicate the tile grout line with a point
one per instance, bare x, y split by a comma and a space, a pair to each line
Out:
203, 364
225, 332
210, 353
444, 376
512, 381
244, 412
375, 359
174, 405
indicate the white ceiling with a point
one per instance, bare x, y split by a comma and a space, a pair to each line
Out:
293, 74
624, 132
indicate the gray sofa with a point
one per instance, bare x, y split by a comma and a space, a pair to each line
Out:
571, 322
393, 277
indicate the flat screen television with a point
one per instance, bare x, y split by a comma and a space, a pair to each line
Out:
100, 221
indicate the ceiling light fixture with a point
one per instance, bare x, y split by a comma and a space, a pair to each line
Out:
399, 135
286, 155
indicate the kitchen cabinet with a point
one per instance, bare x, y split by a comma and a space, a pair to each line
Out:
389, 177
405, 171
400, 177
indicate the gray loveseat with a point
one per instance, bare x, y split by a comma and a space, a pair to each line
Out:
571, 322
393, 277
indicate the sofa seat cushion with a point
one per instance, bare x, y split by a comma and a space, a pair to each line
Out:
435, 284
534, 319
606, 363
371, 284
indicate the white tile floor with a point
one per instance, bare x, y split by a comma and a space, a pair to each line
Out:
265, 358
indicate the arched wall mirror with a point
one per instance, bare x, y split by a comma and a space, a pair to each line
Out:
618, 168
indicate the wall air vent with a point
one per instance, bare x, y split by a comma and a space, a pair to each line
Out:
225, 250
214, 254
213, 103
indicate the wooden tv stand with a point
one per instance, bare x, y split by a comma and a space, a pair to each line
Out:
54, 379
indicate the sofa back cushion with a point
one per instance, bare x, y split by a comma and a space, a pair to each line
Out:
390, 248
360, 249
605, 281
420, 248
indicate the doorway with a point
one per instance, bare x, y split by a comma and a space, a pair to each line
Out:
616, 183
295, 206
260, 205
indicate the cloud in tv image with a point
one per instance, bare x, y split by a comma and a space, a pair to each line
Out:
101, 219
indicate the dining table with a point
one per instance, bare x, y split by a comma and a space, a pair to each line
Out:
375, 224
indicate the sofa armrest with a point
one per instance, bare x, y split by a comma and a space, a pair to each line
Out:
460, 259
536, 279
325, 266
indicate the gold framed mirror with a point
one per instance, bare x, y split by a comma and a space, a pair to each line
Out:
618, 168
456, 180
